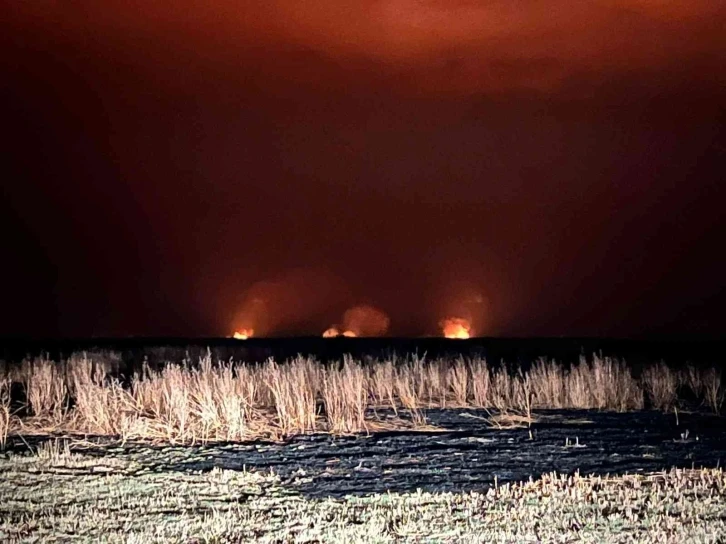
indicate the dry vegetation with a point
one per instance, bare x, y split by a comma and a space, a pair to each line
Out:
4, 410
151, 494
58, 495
228, 401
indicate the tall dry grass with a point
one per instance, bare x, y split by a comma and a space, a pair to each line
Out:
661, 386
5, 385
714, 391
229, 401
46, 388
603, 384
480, 382
294, 388
100, 404
399, 385
381, 384
210, 402
691, 377
458, 381
405, 380
433, 382
550, 385
345, 397
706, 384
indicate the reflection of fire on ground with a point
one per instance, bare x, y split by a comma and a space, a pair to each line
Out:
456, 327
243, 334
332, 332
361, 320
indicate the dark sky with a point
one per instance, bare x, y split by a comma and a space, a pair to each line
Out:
540, 167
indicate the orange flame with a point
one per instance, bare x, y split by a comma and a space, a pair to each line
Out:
456, 327
243, 334
332, 332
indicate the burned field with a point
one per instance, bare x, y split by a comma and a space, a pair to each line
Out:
421, 451
464, 454
469, 483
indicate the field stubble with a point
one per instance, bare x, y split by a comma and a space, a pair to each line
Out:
156, 495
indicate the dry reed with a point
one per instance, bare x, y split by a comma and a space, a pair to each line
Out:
45, 388
345, 396
5, 385
550, 384
480, 383
381, 384
603, 384
661, 386
691, 377
713, 389
229, 401
458, 382
294, 388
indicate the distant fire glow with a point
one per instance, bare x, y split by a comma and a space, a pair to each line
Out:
243, 334
456, 328
333, 332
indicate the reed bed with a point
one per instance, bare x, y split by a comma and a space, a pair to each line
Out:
208, 400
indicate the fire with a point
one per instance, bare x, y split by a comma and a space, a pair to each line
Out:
243, 334
456, 327
332, 332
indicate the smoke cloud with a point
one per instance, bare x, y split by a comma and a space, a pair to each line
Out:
536, 168
434, 45
287, 303
365, 320
361, 320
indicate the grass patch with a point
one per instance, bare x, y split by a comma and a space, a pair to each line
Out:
210, 401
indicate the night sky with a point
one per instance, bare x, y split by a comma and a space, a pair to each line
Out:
542, 168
